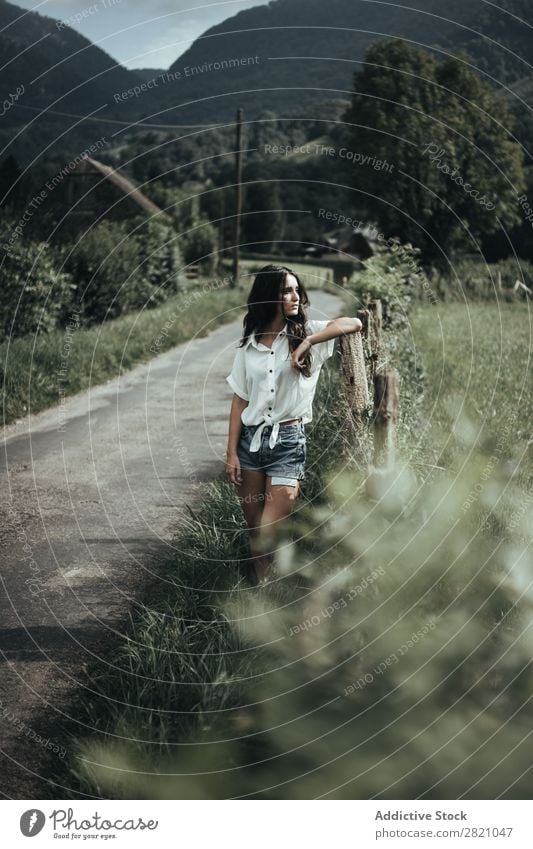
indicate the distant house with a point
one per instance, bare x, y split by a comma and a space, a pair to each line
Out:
348, 247
358, 243
91, 192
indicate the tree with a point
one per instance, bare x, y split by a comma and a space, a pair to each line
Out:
432, 151
119, 267
9, 177
105, 265
33, 289
160, 261
263, 207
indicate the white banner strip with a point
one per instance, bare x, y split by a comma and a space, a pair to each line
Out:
262, 824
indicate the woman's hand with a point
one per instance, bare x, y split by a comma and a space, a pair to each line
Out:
233, 468
299, 353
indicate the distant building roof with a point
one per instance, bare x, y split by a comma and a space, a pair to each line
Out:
356, 242
123, 184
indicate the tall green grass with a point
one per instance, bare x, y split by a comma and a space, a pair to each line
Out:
37, 371
471, 386
472, 280
391, 657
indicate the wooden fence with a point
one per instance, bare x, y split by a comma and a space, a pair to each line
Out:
363, 365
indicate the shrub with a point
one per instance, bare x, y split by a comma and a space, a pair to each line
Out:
120, 267
200, 246
394, 276
33, 291
160, 260
104, 263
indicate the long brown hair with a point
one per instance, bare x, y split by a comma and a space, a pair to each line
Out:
262, 303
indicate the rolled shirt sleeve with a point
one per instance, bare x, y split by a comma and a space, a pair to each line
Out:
237, 378
322, 350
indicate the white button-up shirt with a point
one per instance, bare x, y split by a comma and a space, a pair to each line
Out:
275, 390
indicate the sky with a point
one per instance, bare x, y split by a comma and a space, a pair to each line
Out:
141, 33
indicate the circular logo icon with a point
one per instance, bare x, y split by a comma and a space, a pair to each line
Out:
32, 822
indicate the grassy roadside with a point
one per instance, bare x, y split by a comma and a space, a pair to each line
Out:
395, 638
38, 371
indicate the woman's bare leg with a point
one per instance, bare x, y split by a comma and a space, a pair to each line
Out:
251, 495
279, 504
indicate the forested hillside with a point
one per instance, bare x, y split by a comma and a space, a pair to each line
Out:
66, 74
295, 53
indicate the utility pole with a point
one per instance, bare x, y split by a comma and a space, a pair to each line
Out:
238, 197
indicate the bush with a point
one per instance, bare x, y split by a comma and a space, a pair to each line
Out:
33, 292
160, 261
120, 267
394, 276
200, 246
104, 263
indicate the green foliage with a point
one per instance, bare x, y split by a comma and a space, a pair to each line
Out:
160, 260
104, 263
263, 203
179, 205
33, 289
112, 269
456, 170
333, 30
197, 236
200, 245
499, 44
121, 266
72, 70
389, 275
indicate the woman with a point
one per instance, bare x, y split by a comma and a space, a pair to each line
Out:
274, 377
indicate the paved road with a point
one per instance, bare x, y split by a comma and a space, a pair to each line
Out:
93, 493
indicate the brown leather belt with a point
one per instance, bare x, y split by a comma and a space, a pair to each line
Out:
290, 421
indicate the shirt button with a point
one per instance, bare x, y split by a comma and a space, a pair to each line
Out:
270, 370
271, 390
270, 408
272, 353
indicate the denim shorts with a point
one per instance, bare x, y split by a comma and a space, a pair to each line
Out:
285, 462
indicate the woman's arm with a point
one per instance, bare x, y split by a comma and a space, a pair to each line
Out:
336, 327
233, 467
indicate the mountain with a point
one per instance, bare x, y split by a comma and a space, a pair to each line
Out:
499, 41
46, 65
288, 54
149, 73
286, 57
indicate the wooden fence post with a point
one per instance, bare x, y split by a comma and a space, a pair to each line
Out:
355, 393
375, 324
386, 406
363, 317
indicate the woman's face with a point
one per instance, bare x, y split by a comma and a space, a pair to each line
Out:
290, 296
